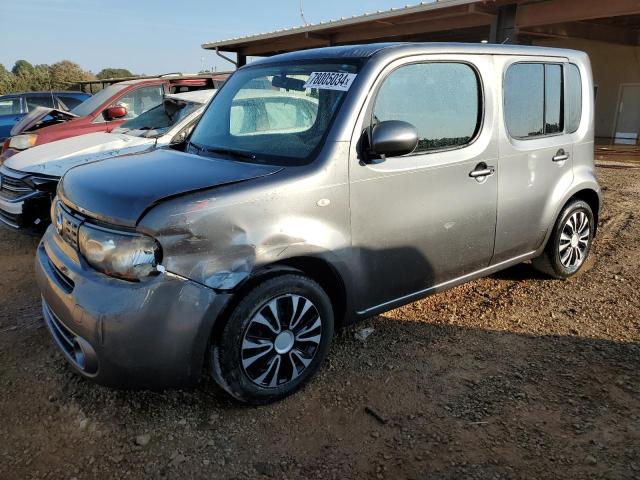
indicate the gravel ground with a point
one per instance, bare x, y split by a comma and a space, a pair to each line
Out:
511, 376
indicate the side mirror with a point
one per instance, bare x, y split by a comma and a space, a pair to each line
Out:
113, 113
393, 138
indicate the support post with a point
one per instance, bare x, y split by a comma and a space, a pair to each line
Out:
503, 26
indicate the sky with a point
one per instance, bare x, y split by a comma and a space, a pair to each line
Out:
151, 36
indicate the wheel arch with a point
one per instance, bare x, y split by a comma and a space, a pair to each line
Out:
314, 267
586, 191
592, 199
319, 270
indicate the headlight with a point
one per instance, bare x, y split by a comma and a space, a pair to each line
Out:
22, 142
128, 256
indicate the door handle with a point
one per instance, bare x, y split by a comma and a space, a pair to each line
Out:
560, 156
482, 170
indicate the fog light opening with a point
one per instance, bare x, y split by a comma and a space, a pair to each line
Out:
78, 355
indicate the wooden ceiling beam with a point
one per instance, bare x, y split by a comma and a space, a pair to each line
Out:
375, 32
390, 31
288, 44
553, 12
590, 31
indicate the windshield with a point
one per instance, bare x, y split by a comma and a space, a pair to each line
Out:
158, 120
275, 114
90, 104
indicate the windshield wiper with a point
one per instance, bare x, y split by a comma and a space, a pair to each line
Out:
229, 152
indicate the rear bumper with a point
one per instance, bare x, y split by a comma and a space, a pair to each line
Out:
152, 334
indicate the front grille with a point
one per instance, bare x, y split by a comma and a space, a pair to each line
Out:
13, 194
13, 188
67, 226
10, 219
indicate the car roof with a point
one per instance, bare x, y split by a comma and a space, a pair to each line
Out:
196, 96
166, 79
411, 48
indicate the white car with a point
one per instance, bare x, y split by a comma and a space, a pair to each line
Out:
28, 179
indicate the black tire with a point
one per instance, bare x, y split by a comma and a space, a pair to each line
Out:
550, 262
232, 351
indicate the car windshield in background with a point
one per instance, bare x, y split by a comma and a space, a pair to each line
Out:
159, 119
90, 104
276, 114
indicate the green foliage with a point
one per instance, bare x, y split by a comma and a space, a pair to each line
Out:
6, 80
25, 77
22, 67
107, 73
64, 72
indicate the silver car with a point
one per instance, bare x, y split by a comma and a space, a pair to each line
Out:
319, 188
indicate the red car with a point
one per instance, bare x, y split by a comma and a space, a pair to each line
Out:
102, 112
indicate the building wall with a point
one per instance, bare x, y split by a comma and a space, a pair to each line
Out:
612, 65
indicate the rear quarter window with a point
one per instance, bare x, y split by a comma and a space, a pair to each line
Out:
572, 98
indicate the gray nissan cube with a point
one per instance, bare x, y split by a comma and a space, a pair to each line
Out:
319, 187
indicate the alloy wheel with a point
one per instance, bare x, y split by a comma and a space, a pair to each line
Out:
281, 340
574, 240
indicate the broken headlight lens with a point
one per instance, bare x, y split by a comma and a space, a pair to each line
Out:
22, 142
128, 256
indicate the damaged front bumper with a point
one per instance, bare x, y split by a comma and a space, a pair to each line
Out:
150, 334
23, 205
29, 213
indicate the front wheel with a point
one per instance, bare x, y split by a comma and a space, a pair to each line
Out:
274, 340
570, 241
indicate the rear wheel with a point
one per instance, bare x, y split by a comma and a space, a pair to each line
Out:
570, 242
274, 340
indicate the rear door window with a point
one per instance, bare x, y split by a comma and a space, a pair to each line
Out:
534, 100
553, 99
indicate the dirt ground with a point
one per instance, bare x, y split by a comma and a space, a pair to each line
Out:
511, 376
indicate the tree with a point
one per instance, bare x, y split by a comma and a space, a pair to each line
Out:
22, 67
25, 77
6, 80
64, 73
106, 73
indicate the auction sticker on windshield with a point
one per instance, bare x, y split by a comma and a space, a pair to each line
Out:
330, 80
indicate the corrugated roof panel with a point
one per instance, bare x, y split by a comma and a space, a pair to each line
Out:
342, 22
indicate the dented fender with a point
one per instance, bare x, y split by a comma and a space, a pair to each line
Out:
219, 237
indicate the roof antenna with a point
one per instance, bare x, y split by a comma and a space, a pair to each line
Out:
53, 102
304, 20
505, 41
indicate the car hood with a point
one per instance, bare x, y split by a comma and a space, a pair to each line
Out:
37, 115
55, 158
123, 189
